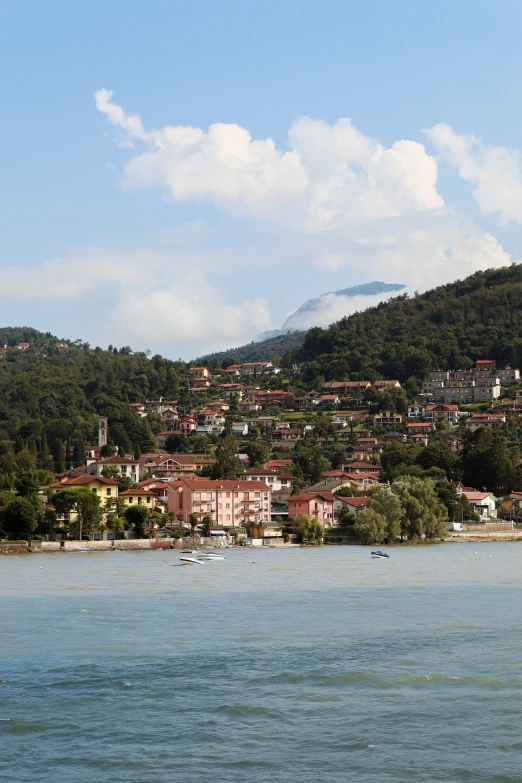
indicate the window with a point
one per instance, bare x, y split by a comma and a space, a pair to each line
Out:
94, 489
108, 491
228, 506
148, 498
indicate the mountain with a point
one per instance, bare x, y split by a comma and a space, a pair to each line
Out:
448, 327
320, 311
327, 308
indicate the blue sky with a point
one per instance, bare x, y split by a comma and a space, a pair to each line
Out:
160, 233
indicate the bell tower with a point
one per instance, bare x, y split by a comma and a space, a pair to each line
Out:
102, 430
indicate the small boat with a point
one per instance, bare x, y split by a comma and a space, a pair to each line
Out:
211, 556
80, 549
189, 551
191, 561
378, 554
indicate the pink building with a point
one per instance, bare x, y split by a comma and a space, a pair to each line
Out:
187, 424
229, 503
316, 504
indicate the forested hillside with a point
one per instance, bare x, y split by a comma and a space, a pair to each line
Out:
52, 395
448, 327
267, 350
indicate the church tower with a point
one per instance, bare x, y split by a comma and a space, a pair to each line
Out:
102, 430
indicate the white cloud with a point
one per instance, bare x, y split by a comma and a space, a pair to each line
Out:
190, 312
331, 175
329, 308
495, 171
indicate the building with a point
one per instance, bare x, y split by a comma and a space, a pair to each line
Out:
346, 388
187, 424
228, 503
418, 427
276, 479
240, 428
258, 368
387, 418
483, 503
315, 504
353, 505
438, 412
106, 489
167, 466
490, 421
417, 410
126, 466
199, 372
140, 497
486, 364
381, 386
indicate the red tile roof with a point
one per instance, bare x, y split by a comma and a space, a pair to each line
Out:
205, 484
80, 481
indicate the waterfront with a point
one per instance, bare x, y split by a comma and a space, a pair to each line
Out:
305, 665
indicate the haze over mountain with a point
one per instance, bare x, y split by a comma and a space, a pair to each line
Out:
330, 307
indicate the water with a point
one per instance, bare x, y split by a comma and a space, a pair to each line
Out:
306, 665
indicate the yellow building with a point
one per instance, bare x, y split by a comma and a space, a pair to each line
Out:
199, 372
105, 488
139, 497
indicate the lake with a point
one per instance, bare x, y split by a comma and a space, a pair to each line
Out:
275, 666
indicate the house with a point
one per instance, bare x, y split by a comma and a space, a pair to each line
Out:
346, 388
106, 489
214, 419
127, 467
342, 418
240, 428
287, 433
483, 503
276, 479
423, 428
361, 467
161, 438
141, 497
199, 372
381, 386
308, 401
417, 410
359, 453
420, 438
187, 424
258, 368
169, 415
228, 390
167, 465
315, 504
330, 399
229, 503
490, 421
210, 429
387, 418
485, 364
353, 505
198, 384
399, 437
511, 504
278, 463
438, 412
138, 408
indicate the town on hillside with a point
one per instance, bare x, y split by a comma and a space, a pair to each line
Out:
250, 452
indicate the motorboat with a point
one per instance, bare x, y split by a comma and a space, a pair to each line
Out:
191, 561
211, 556
379, 555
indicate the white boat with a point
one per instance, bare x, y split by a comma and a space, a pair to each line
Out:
191, 561
379, 555
211, 556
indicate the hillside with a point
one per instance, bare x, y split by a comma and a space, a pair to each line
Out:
51, 394
265, 350
450, 326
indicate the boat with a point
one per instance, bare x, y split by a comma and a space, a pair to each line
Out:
191, 561
378, 554
80, 549
189, 551
211, 556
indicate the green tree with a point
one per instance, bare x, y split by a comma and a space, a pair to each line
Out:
388, 505
308, 529
176, 443
137, 516
370, 526
227, 464
424, 513
82, 502
20, 519
438, 455
258, 453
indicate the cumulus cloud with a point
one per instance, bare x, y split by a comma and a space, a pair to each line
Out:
329, 176
495, 171
191, 312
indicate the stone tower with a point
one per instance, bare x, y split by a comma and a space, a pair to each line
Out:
102, 430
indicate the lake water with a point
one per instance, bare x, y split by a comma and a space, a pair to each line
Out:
306, 665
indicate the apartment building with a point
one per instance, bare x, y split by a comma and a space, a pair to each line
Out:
229, 503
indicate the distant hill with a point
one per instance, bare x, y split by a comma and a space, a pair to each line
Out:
448, 327
325, 309
291, 335
261, 351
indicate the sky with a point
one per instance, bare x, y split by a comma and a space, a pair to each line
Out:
181, 177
